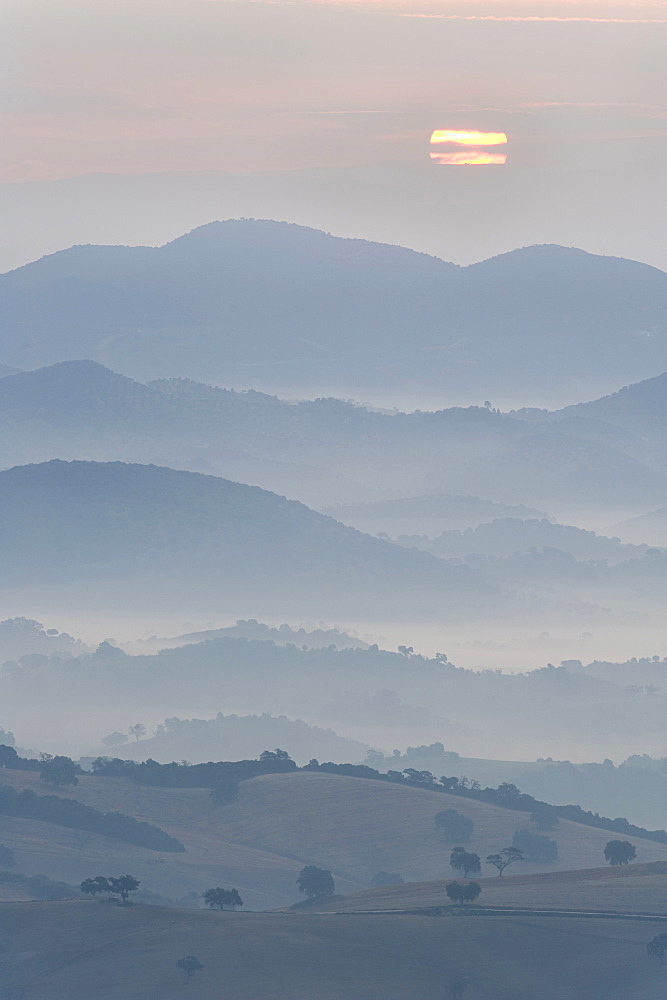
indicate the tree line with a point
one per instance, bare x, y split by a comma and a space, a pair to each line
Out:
75, 815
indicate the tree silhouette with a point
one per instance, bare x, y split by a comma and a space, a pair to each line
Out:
466, 892
123, 885
504, 858
190, 964
658, 947
456, 987
58, 771
218, 898
620, 852
315, 883
138, 730
461, 861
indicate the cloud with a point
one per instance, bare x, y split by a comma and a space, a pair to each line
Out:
471, 157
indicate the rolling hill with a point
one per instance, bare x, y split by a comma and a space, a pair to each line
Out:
283, 307
279, 823
328, 451
144, 534
61, 950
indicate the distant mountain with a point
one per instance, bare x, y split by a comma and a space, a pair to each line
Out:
326, 450
7, 370
634, 418
284, 635
147, 534
241, 737
281, 307
428, 515
506, 536
650, 528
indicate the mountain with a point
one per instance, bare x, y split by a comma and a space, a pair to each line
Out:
325, 451
237, 737
648, 528
146, 533
428, 515
281, 307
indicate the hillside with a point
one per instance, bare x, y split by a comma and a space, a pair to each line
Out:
633, 889
372, 695
278, 824
105, 952
327, 451
650, 528
142, 534
289, 309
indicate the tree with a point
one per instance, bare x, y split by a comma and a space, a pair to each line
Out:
545, 817
386, 878
535, 846
7, 857
453, 826
224, 791
456, 987
114, 740
59, 771
315, 883
461, 861
218, 898
138, 730
620, 852
276, 754
463, 892
504, 858
658, 948
190, 964
8, 756
91, 886
122, 886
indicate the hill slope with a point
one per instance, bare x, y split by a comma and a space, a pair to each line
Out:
278, 824
158, 532
274, 305
69, 950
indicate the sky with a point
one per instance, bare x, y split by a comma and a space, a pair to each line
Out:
132, 122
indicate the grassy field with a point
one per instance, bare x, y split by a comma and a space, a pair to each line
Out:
278, 824
100, 951
635, 889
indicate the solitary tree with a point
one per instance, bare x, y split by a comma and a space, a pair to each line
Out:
190, 964
620, 852
504, 858
218, 898
315, 883
453, 826
59, 771
122, 886
456, 987
463, 892
8, 756
545, 817
658, 947
461, 861
114, 740
91, 886
138, 730
224, 791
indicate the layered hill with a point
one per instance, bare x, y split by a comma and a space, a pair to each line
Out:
325, 451
278, 824
279, 306
156, 532
105, 952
